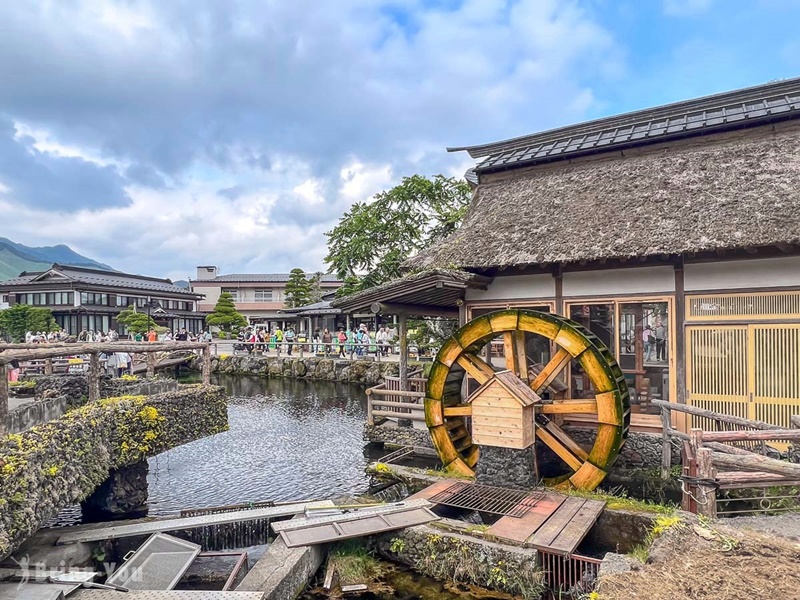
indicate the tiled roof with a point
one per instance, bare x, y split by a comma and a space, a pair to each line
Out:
96, 277
262, 278
730, 110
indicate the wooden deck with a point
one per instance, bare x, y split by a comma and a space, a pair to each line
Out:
556, 523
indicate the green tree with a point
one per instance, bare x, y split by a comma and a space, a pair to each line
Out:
315, 288
20, 318
298, 289
225, 317
350, 285
376, 237
136, 322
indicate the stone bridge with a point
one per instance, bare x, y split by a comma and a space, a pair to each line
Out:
62, 462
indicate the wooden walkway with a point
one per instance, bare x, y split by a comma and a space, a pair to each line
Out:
555, 523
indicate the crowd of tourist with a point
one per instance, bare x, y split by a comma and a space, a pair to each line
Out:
345, 341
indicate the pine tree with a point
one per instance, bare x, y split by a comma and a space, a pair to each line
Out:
298, 289
135, 322
225, 317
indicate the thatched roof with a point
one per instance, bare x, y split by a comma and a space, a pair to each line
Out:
742, 192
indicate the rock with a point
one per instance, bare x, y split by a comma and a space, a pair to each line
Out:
618, 563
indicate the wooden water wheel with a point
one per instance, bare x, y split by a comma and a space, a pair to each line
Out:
447, 413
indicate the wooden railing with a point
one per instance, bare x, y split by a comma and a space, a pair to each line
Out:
388, 400
18, 353
712, 463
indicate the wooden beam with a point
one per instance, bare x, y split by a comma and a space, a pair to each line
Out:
568, 406
751, 436
701, 412
551, 370
508, 352
458, 410
3, 399
422, 310
562, 437
522, 355
55, 351
680, 333
706, 471
472, 369
93, 377
556, 446
206, 365
755, 462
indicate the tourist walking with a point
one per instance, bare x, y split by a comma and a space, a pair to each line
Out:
649, 341
327, 340
341, 337
289, 337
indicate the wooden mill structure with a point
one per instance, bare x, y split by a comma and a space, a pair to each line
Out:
507, 410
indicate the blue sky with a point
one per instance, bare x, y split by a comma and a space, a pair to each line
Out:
155, 136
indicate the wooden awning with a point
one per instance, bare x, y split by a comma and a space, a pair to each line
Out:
421, 294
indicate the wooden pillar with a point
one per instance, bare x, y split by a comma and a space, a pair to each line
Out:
707, 494
4, 399
666, 443
151, 364
403, 335
206, 368
94, 377
558, 276
370, 420
48, 366
680, 335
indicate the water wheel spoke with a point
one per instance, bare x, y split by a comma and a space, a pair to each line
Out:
522, 355
551, 370
476, 367
569, 406
508, 352
560, 449
562, 436
458, 410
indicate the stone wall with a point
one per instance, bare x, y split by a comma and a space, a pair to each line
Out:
327, 369
507, 467
462, 558
397, 436
55, 394
641, 450
62, 462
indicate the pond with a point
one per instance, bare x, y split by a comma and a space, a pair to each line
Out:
288, 440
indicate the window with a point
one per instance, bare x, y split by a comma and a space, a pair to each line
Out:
234, 292
92, 299
263, 296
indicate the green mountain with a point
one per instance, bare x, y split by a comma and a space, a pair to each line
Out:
15, 258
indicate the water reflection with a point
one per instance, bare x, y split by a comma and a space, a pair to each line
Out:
288, 440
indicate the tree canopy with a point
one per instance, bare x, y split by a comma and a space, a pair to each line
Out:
299, 289
375, 237
225, 317
20, 318
135, 322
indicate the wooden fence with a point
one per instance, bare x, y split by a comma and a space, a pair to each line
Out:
388, 400
18, 353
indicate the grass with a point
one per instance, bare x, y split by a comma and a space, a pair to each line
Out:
661, 525
354, 564
618, 500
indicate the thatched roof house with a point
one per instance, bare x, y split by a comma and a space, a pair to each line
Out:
716, 174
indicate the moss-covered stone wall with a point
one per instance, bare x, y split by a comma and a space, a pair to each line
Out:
62, 462
369, 372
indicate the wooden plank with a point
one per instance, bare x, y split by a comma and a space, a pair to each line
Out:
551, 370
747, 436
571, 536
476, 367
572, 406
522, 356
498, 441
739, 479
515, 530
548, 532
497, 430
97, 534
556, 446
753, 462
458, 410
508, 351
480, 419
497, 411
571, 444
353, 515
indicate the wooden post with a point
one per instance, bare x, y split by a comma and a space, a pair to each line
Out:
666, 443
4, 399
403, 335
48, 366
370, 420
707, 498
94, 377
206, 368
151, 364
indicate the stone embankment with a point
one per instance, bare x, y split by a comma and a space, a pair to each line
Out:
62, 462
54, 395
365, 371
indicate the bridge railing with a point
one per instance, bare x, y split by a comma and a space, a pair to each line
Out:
13, 354
388, 400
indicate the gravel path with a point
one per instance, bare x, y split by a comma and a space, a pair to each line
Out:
786, 525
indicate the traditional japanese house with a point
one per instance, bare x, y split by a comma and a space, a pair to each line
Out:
90, 299
672, 234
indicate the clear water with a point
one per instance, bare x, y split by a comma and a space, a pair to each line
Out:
288, 440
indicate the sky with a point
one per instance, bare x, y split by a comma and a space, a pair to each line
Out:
159, 135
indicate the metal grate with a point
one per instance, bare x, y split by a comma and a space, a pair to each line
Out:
568, 574
484, 498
